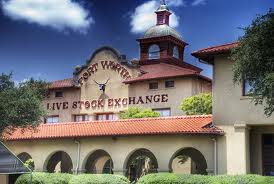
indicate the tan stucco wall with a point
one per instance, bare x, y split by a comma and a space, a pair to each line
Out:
3, 179
239, 151
184, 87
119, 149
229, 106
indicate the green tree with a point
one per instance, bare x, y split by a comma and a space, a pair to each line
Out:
198, 104
21, 104
138, 112
254, 60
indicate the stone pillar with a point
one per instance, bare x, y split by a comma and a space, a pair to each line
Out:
4, 179
237, 144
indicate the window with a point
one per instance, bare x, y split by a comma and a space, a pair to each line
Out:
169, 84
59, 94
163, 112
247, 88
153, 85
154, 52
52, 119
175, 52
109, 116
81, 117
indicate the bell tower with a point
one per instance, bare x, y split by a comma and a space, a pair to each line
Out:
161, 43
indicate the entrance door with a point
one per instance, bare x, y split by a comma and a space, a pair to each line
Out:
268, 154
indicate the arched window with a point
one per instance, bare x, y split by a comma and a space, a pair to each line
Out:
154, 52
175, 52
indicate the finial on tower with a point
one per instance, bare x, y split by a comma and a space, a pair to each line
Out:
163, 2
163, 14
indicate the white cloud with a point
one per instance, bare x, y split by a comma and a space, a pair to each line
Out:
144, 17
57, 14
198, 2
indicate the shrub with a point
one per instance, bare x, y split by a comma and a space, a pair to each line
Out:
44, 178
37, 178
98, 179
170, 178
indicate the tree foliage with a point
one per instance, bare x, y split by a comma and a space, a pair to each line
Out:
21, 104
254, 60
138, 112
198, 104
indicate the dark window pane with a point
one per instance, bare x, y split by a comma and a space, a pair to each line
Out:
268, 139
169, 84
153, 85
59, 94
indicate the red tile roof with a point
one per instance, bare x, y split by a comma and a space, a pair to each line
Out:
65, 83
163, 70
205, 54
147, 126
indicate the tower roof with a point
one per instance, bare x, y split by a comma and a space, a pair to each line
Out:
161, 30
163, 7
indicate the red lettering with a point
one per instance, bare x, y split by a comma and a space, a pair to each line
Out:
101, 103
165, 98
74, 105
110, 102
105, 64
149, 99
65, 105
131, 100
117, 102
140, 100
93, 103
87, 104
124, 101
156, 98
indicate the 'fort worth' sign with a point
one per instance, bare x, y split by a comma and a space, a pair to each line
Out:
105, 65
110, 102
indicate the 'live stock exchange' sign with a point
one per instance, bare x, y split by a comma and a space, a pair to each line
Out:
110, 102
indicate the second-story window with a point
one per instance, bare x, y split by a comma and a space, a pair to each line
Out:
81, 117
247, 88
154, 52
107, 116
59, 94
52, 119
153, 85
169, 84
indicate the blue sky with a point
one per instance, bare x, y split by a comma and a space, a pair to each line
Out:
47, 39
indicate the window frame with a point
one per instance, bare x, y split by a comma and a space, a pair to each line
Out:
107, 116
244, 92
83, 117
150, 85
169, 86
162, 109
61, 92
52, 116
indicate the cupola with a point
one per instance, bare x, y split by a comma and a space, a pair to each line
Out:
161, 41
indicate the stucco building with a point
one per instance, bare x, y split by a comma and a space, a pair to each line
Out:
83, 132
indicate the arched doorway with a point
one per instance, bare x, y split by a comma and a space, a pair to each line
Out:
188, 161
25, 158
60, 161
99, 162
139, 163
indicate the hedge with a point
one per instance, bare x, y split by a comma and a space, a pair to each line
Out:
44, 178
98, 179
60, 178
170, 178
